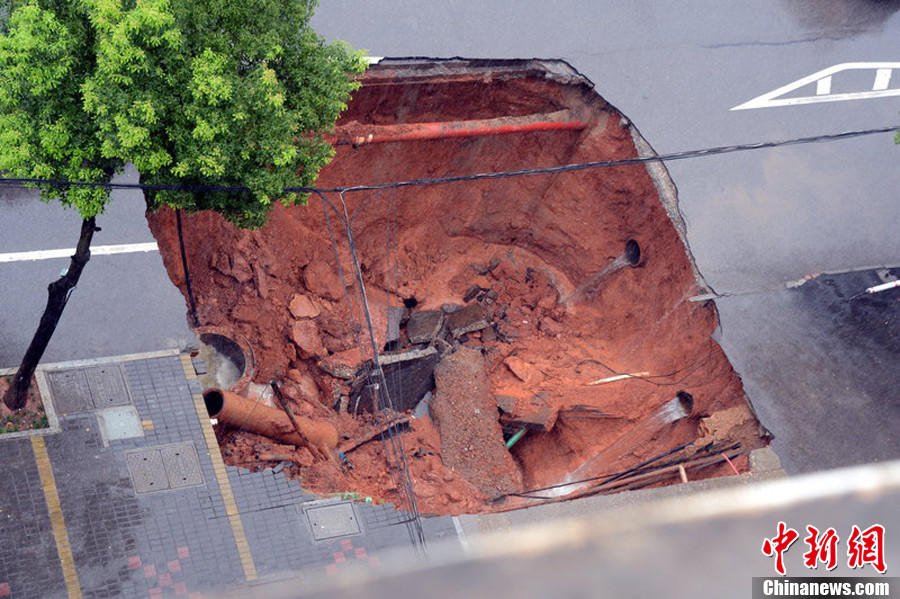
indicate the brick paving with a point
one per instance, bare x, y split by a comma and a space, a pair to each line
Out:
155, 514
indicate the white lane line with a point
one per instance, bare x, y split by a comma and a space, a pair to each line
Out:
823, 86
100, 250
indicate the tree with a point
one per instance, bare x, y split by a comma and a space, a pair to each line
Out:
223, 93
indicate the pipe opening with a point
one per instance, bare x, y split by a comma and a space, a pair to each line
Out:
686, 401
632, 252
214, 401
224, 358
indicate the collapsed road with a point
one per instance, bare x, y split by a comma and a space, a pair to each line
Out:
523, 325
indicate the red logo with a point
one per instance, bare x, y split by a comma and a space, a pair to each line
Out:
821, 550
868, 551
779, 544
863, 547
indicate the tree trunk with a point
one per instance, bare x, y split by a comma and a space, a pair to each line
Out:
58, 295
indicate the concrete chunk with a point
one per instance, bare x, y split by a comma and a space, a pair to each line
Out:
394, 317
469, 319
409, 376
424, 326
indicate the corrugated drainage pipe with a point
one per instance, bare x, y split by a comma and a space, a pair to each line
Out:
241, 413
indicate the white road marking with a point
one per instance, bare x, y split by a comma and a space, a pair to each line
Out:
882, 79
463, 541
822, 79
100, 250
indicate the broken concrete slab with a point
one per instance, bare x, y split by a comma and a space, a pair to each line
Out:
424, 325
533, 413
540, 418
342, 365
467, 320
409, 376
394, 318
465, 414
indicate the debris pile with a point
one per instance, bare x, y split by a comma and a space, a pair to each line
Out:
523, 325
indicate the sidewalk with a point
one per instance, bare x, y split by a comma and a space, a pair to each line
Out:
130, 498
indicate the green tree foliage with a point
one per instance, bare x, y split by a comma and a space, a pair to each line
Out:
231, 93
212, 93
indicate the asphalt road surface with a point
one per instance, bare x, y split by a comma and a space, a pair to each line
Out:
821, 379
123, 304
756, 220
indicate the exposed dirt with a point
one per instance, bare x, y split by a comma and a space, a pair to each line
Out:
531, 241
32, 416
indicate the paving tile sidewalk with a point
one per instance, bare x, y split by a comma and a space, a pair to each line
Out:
131, 499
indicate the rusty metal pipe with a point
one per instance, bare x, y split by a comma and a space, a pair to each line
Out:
564, 121
239, 412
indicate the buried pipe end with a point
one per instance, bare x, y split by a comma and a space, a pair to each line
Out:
685, 402
633, 253
214, 400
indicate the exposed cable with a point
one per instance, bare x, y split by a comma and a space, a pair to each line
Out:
713, 151
392, 442
606, 478
184, 266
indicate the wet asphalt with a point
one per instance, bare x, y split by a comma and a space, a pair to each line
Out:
755, 219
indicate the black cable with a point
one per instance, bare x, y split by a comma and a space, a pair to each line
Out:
611, 477
187, 275
392, 442
691, 368
713, 151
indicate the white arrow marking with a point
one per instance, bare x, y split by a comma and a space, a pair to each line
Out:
822, 79
100, 250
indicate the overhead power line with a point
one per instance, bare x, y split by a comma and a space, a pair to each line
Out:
714, 151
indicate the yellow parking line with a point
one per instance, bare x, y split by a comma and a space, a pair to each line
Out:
57, 522
234, 518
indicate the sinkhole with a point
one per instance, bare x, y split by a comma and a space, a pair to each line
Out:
545, 319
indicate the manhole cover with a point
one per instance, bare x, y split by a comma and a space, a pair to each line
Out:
107, 384
120, 423
71, 393
83, 389
331, 521
164, 468
182, 465
147, 471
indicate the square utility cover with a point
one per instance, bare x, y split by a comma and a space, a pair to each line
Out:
120, 423
164, 467
71, 392
108, 387
333, 520
148, 473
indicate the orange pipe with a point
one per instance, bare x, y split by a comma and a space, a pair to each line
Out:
445, 130
241, 413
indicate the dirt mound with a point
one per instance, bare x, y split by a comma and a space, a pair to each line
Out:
541, 255
466, 417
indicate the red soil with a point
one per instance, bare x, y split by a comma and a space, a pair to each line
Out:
550, 233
